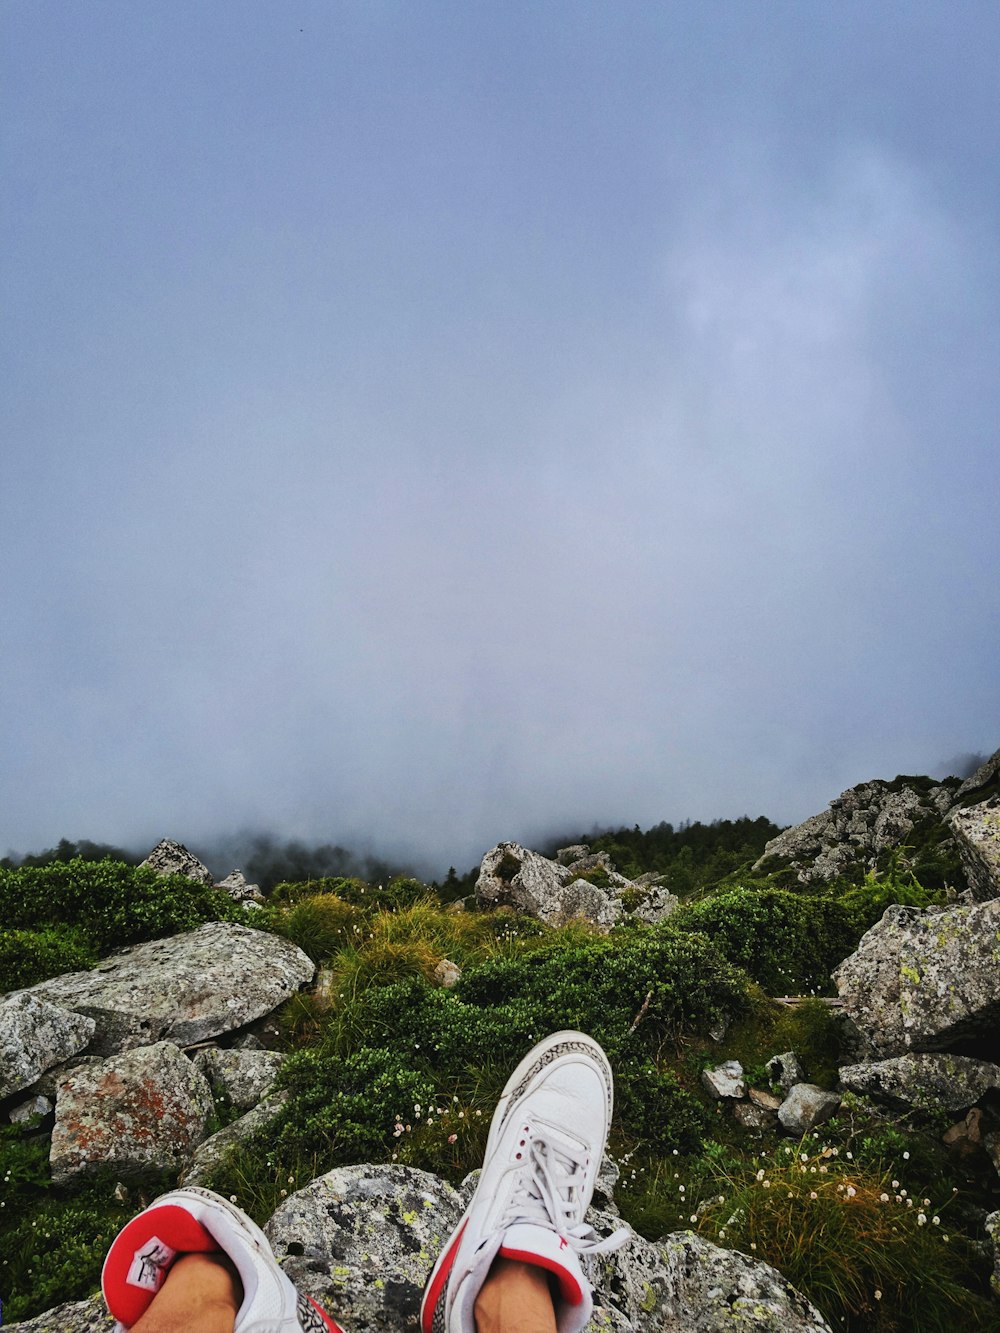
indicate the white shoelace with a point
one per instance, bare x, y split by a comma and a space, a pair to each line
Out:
550, 1197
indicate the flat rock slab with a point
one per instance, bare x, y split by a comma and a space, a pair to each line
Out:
185, 989
361, 1241
35, 1035
90, 1316
142, 1109
726, 1080
929, 1080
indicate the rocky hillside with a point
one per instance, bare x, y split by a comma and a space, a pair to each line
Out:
330, 1054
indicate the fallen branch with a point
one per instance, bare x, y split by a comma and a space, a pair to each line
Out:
642, 1012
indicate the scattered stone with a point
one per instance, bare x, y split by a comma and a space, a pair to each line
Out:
513, 876
807, 1106
566, 856
173, 858
785, 1070
931, 1081
361, 1241
656, 903
447, 973
242, 1077
240, 889
36, 1034
186, 988
765, 1100
90, 1316
34, 1106
861, 824
756, 1119
120, 1193
711, 1289
726, 1080
211, 1152
977, 832
966, 1137
142, 1108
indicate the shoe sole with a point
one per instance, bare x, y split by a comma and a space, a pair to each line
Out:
522, 1081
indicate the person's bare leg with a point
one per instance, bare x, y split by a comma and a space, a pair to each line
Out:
201, 1294
515, 1298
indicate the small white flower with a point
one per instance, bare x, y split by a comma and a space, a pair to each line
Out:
921, 1219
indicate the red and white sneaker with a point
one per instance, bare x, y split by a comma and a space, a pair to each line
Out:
542, 1157
196, 1220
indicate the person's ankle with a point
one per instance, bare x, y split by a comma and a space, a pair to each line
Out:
515, 1295
203, 1285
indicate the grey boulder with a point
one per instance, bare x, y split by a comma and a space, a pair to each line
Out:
726, 1080
977, 832
930, 1081
240, 1077
513, 876
145, 1108
90, 1316
807, 1106
36, 1034
361, 1241
712, 1290
173, 858
186, 988
240, 889
785, 1070
925, 980
211, 1153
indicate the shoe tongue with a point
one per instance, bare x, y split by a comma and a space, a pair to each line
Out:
563, 1148
547, 1249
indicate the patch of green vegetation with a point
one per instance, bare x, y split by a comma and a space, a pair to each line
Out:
27, 956
789, 943
62, 916
53, 1240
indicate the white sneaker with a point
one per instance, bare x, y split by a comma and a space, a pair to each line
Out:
198, 1221
543, 1154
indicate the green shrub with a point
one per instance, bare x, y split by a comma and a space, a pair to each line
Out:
669, 982
109, 902
866, 903
27, 956
53, 1241
340, 1110
789, 943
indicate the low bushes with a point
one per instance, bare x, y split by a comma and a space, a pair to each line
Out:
61, 917
789, 943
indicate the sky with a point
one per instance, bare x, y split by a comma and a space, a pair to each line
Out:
430, 422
